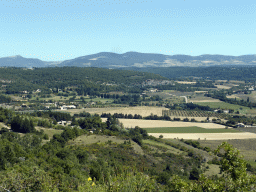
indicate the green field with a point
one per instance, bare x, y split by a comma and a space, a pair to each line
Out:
187, 130
223, 105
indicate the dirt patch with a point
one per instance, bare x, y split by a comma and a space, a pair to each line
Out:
2, 125
207, 136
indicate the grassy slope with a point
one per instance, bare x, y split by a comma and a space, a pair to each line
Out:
169, 148
49, 132
90, 139
246, 147
187, 130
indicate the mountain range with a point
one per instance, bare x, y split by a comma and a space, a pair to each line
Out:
132, 60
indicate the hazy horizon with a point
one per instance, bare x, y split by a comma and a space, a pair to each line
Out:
62, 30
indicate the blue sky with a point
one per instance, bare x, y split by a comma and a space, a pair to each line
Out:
65, 29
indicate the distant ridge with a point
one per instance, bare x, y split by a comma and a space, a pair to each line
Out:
132, 60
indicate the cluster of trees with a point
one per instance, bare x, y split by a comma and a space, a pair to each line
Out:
6, 115
233, 120
167, 118
88, 81
189, 106
18, 124
131, 99
241, 73
5, 99
121, 115
196, 144
56, 116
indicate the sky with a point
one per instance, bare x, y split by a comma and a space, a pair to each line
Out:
56, 30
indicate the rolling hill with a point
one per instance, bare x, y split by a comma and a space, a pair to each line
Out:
132, 60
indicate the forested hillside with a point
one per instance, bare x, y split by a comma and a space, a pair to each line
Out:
58, 77
245, 73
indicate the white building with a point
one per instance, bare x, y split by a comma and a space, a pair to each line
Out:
65, 107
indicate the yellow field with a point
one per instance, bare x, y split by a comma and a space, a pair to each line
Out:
186, 82
222, 87
232, 96
207, 136
131, 123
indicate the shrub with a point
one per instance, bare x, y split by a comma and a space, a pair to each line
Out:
46, 137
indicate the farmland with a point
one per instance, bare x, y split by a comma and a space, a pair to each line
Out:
187, 130
187, 113
207, 136
131, 123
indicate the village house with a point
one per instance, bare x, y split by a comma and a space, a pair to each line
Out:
63, 123
239, 125
225, 111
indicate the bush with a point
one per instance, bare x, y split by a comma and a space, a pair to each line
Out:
46, 137
194, 174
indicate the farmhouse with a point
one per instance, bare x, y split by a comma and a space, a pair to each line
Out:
65, 107
152, 90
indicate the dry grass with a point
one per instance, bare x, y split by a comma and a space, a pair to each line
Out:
232, 96
222, 87
206, 136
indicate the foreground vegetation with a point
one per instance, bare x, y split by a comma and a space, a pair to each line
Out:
79, 160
